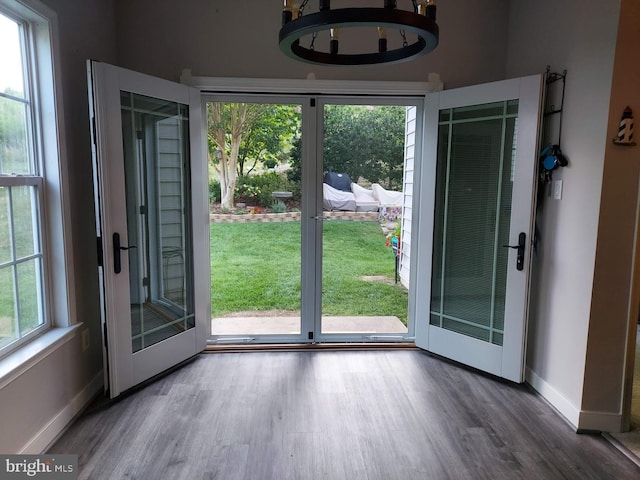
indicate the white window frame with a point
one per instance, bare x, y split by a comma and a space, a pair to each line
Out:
50, 176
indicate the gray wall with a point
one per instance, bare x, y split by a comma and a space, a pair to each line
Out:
222, 38
580, 36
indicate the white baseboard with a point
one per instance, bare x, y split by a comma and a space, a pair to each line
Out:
41, 440
580, 419
555, 398
600, 421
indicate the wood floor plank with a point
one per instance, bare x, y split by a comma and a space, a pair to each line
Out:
371, 415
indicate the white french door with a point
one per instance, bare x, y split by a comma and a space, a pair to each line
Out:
151, 208
478, 184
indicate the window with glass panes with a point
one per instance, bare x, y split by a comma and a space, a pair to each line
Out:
22, 312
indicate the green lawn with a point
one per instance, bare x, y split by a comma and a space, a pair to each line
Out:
256, 266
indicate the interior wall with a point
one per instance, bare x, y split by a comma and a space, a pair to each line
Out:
611, 310
40, 401
579, 36
228, 39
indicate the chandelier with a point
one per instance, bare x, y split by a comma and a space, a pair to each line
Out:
417, 29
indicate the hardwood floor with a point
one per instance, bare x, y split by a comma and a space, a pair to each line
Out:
337, 415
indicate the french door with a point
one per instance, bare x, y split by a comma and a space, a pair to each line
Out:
151, 222
478, 186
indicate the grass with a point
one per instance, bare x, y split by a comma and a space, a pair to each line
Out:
256, 266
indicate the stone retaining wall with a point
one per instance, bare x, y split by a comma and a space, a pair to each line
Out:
289, 217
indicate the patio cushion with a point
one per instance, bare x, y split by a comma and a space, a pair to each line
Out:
386, 197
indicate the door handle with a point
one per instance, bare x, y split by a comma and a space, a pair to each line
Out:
522, 239
117, 248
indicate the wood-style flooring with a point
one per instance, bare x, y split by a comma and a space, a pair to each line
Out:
337, 415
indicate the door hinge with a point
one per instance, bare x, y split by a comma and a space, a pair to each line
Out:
145, 282
143, 209
312, 102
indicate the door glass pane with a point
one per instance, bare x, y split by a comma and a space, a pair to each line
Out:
157, 172
367, 161
255, 162
473, 210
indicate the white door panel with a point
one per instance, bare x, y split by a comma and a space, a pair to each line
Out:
148, 165
480, 158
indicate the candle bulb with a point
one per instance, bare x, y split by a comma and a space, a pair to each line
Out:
382, 39
431, 10
287, 12
333, 44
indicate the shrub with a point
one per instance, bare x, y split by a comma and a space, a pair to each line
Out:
263, 186
278, 206
214, 191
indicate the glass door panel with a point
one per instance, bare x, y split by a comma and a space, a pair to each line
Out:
481, 153
156, 162
255, 164
150, 212
364, 152
473, 210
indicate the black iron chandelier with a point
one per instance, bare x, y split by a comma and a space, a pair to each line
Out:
419, 24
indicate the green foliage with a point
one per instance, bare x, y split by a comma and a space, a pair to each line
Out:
214, 191
246, 191
270, 134
294, 174
14, 154
278, 206
264, 185
365, 142
266, 131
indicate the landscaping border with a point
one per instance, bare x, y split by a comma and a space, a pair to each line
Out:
288, 217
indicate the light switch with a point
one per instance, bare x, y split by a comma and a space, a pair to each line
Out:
557, 190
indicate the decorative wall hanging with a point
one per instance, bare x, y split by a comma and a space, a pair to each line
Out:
625, 129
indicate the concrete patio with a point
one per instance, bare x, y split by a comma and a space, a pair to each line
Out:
282, 324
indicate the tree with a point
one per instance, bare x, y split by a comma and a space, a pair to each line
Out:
242, 132
363, 141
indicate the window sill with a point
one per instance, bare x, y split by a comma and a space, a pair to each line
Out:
18, 362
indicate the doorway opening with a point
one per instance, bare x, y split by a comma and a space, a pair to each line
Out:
296, 257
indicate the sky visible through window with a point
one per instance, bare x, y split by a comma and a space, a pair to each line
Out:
10, 57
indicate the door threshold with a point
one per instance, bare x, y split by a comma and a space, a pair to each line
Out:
301, 347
